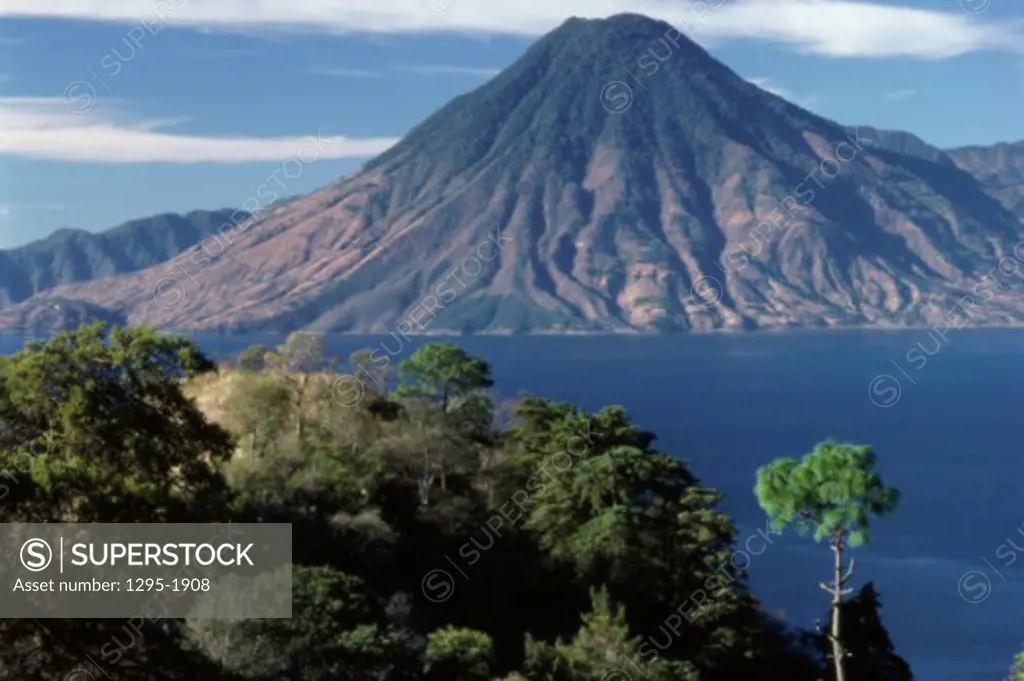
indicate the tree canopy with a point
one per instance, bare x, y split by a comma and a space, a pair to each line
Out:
431, 540
834, 493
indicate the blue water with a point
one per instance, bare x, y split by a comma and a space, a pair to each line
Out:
727, 404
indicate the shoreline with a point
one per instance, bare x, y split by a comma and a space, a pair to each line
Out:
626, 333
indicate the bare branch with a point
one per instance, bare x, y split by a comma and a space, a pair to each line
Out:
849, 571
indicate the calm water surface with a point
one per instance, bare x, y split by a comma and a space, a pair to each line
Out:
946, 433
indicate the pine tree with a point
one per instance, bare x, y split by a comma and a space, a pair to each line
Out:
870, 652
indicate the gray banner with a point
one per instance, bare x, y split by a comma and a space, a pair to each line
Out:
100, 570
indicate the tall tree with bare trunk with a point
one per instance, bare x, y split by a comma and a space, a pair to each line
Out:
833, 492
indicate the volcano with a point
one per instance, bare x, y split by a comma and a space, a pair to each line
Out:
616, 178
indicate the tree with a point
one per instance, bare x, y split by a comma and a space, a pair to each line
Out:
95, 428
455, 654
603, 648
362, 366
571, 531
1017, 670
473, 415
334, 634
442, 371
597, 496
870, 653
833, 492
426, 450
299, 362
253, 359
262, 407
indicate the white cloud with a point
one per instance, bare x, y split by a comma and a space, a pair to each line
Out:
40, 128
160, 123
836, 28
768, 85
849, 28
449, 71
900, 94
4, 212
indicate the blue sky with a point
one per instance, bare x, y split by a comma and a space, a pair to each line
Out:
117, 109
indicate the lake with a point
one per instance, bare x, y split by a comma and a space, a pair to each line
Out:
940, 414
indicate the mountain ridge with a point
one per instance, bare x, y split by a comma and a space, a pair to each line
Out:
71, 255
707, 204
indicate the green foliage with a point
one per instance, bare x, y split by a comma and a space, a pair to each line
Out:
302, 352
603, 642
301, 364
369, 373
253, 359
1017, 670
834, 488
598, 497
582, 545
328, 638
455, 654
442, 371
473, 415
602, 649
262, 409
833, 492
94, 427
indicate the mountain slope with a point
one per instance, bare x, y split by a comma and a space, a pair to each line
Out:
527, 205
68, 256
1000, 170
44, 315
